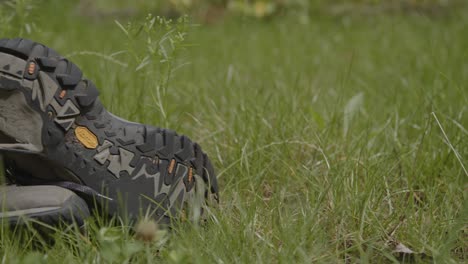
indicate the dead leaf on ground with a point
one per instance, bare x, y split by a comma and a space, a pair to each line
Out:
267, 191
404, 253
401, 248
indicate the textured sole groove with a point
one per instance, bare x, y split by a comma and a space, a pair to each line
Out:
103, 151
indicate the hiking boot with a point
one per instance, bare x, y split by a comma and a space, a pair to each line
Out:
53, 128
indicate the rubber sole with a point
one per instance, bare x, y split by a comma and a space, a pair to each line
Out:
139, 168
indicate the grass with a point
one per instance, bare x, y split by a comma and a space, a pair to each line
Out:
333, 140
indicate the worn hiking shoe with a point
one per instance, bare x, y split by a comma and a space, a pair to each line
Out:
53, 128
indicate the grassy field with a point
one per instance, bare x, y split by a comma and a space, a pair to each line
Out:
334, 140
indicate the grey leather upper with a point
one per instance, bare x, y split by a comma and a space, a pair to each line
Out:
50, 203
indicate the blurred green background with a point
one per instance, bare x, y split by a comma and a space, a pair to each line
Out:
338, 128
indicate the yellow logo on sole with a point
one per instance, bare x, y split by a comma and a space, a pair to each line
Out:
86, 137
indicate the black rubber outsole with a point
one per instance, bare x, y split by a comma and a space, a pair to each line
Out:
136, 166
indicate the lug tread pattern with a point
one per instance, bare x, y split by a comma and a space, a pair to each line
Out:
161, 151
